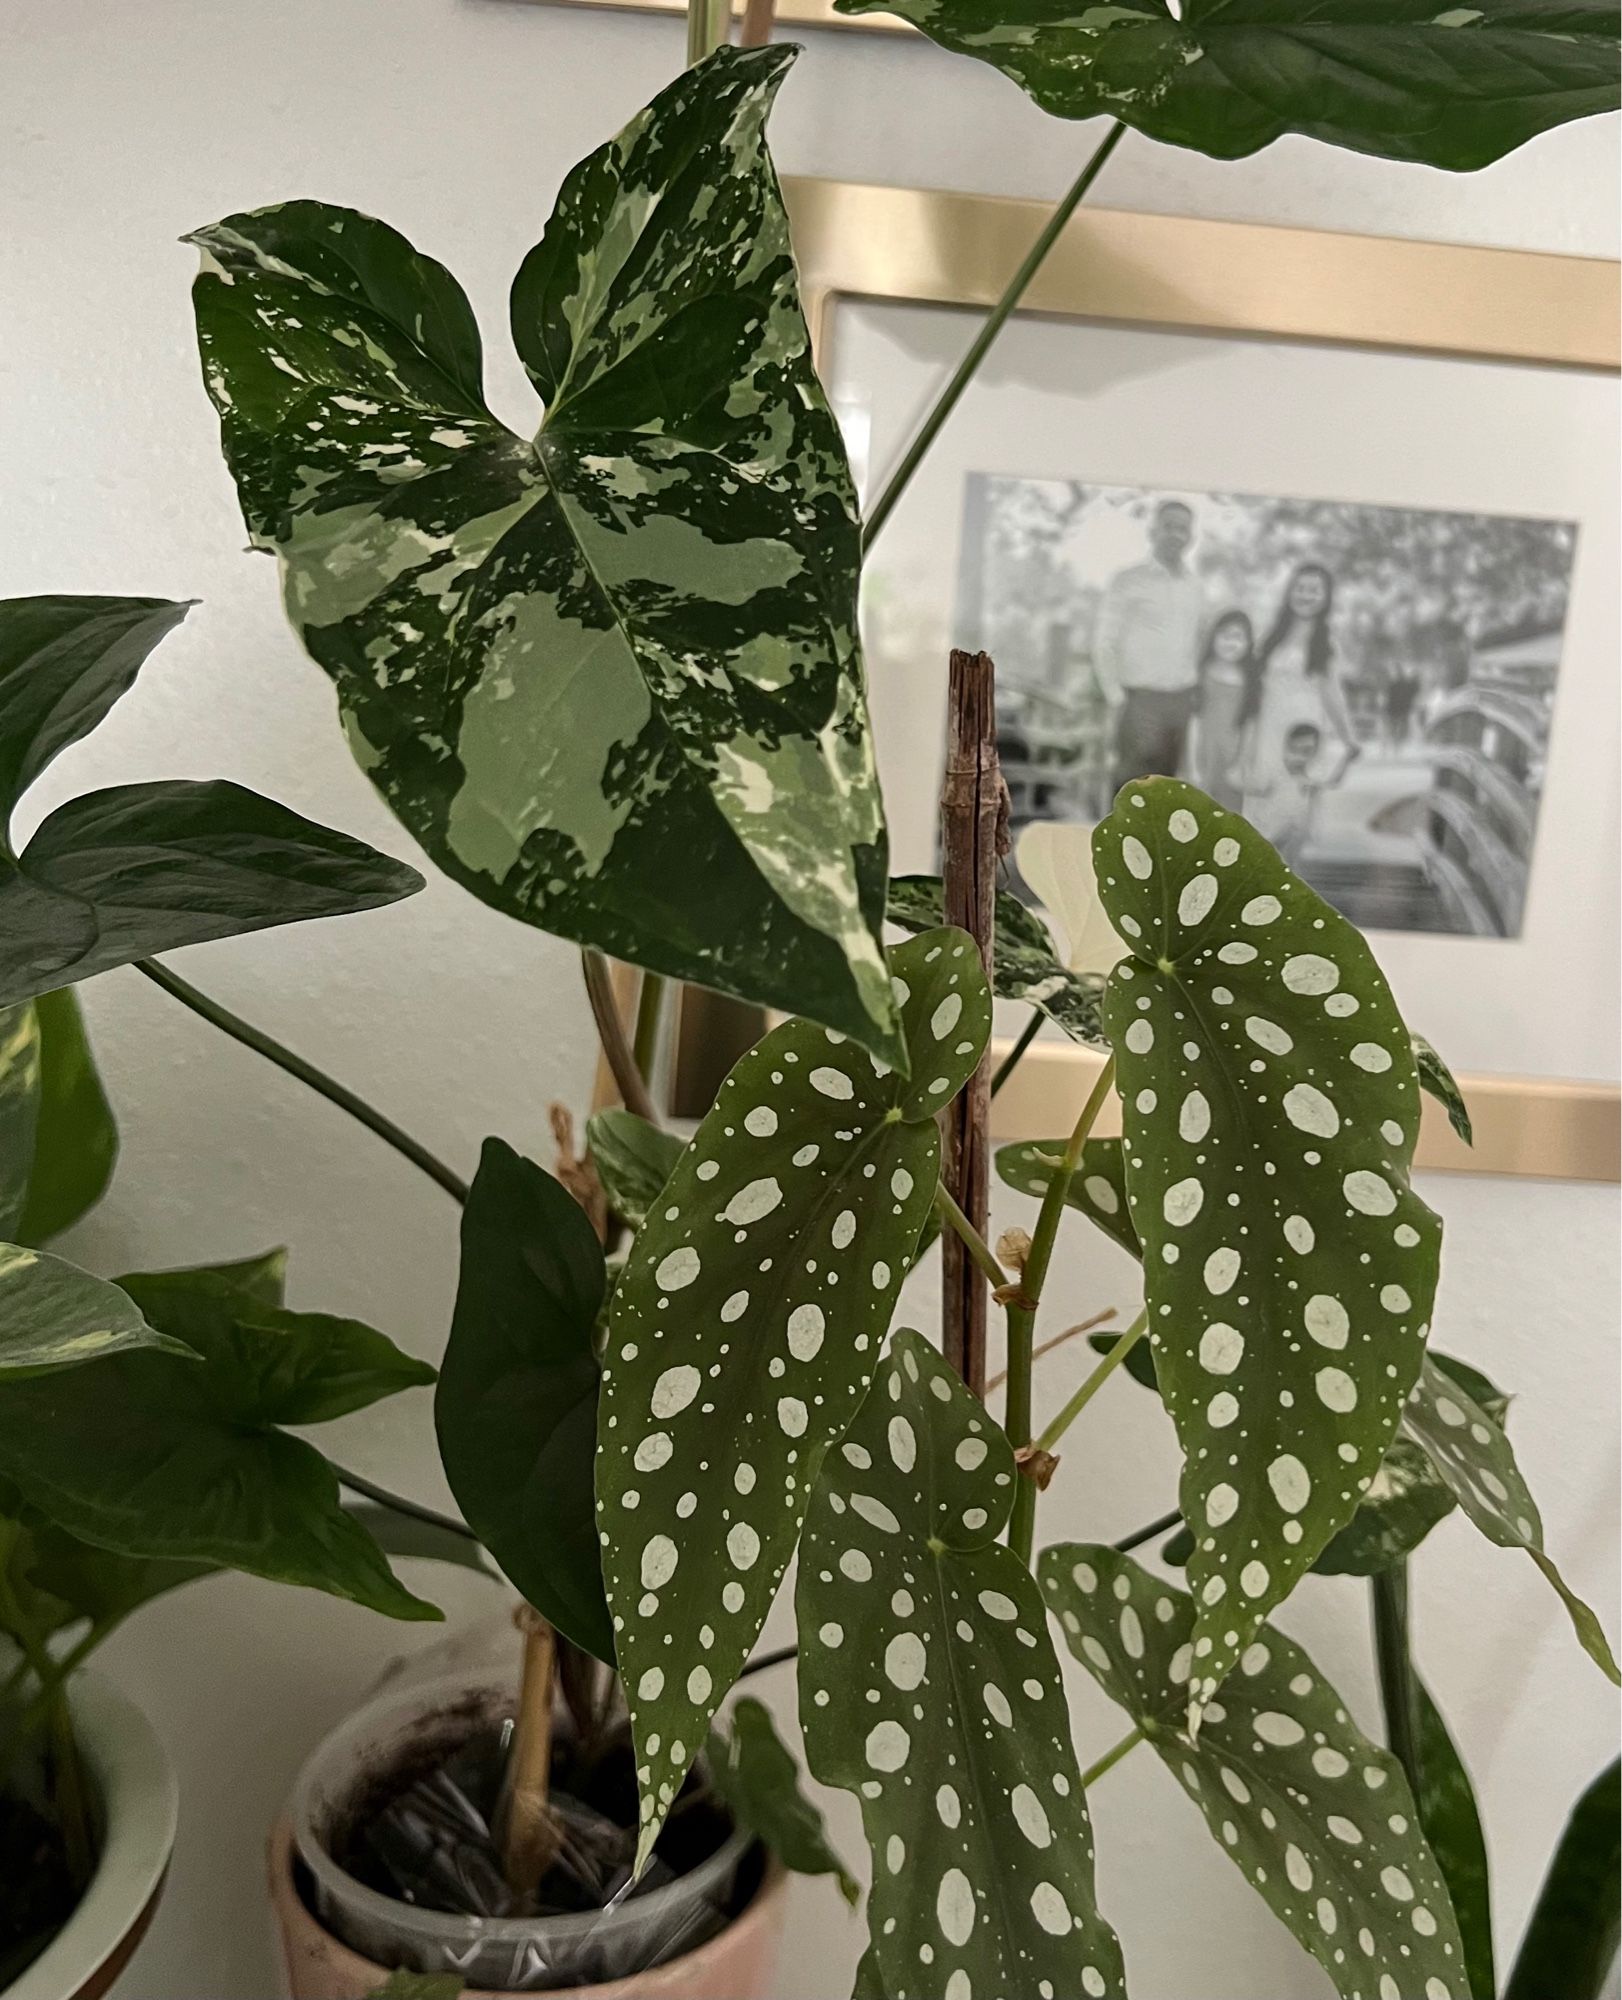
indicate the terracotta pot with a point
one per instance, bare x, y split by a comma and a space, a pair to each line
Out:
310, 1891
139, 1800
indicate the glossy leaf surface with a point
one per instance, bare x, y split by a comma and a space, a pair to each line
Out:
53, 1315
746, 1327
633, 1159
1451, 1822
516, 1406
609, 677
1474, 1457
1025, 965
181, 1459
76, 1140
1269, 1112
930, 1688
1570, 1944
759, 1779
1316, 1817
1454, 87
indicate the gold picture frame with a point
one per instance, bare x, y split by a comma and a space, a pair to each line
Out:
858, 241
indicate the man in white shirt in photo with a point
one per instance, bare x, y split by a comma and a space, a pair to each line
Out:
1146, 650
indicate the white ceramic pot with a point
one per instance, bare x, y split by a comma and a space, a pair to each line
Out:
135, 1785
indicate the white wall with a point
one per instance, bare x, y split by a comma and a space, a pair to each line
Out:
123, 127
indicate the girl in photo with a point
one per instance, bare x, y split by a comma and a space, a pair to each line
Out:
1227, 667
1293, 686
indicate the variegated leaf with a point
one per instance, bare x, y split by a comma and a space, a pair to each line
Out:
745, 1329
53, 1315
609, 677
929, 1688
1456, 87
1025, 965
1269, 1110
1474, 1457
1314, 1815
633, 1160
1438, 1079
1097, 1187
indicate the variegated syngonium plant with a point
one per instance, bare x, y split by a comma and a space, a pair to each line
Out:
608, 675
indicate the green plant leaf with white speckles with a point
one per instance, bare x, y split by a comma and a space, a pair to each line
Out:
1269, 1110
1475, 1459
633, 1160
745, 1329
1438, 1079
1025, 965
1453, 87
53, 1315
608, 676
930, 1688
1316, 1817
1097, 1187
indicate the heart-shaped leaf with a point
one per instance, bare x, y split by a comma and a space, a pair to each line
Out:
53, 1315
152, 1455
1474, 1457
1457, 88
758, 1777
1451, 1823
118, 875
746, 1327
1025, 965
75, 1140
1314, 1815
1269, 1109
633, 1160
929, 1688
516, 1406
609, 677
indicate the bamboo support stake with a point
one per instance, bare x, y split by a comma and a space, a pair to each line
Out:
974, 829
529, 1836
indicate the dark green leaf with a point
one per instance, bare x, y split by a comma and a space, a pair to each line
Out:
760, 1780
1269, 1106
1140, 1360
930, 1688
1475, 1459
1451, 1822
1570, 1944
609, 677
64, 661
633, 1159
1437, 1078
53, 1315
19, 1112
401, 1534
1025, 965
95, 1583
180, 1460
1097, 1187
119, 875
1457, 88
76, 1143
1400, 1505
1316, 1817
516, 1408
746, 1328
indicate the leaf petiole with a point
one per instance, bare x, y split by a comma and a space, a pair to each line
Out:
1094, 1382
1110, 1759
978, 1248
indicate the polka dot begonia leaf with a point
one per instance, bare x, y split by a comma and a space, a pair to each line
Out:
1097, 1187
1475, 1459
930, 1688
1025, 965
745, 1329
1269, 1111
1316, 1817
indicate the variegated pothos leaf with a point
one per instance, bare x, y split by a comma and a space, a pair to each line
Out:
745, 1329
1097, 1187
609, 677
930, 1688
1314, 1815
1269, 1112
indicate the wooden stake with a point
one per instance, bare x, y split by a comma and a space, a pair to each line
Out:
974, 830
530, 1837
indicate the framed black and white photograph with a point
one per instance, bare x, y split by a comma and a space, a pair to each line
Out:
1313, 520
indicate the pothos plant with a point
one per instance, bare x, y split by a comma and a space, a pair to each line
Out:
608, 677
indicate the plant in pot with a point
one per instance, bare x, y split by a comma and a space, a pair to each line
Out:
609, 680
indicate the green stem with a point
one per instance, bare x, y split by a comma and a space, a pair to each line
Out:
1094, 1382
960, 1225
707, 24
1399, 1690
306, 1073
1022, 1310
1139, 1536
398, 1504
1010, 1062
650, 1004
946, 402
1110, 1759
